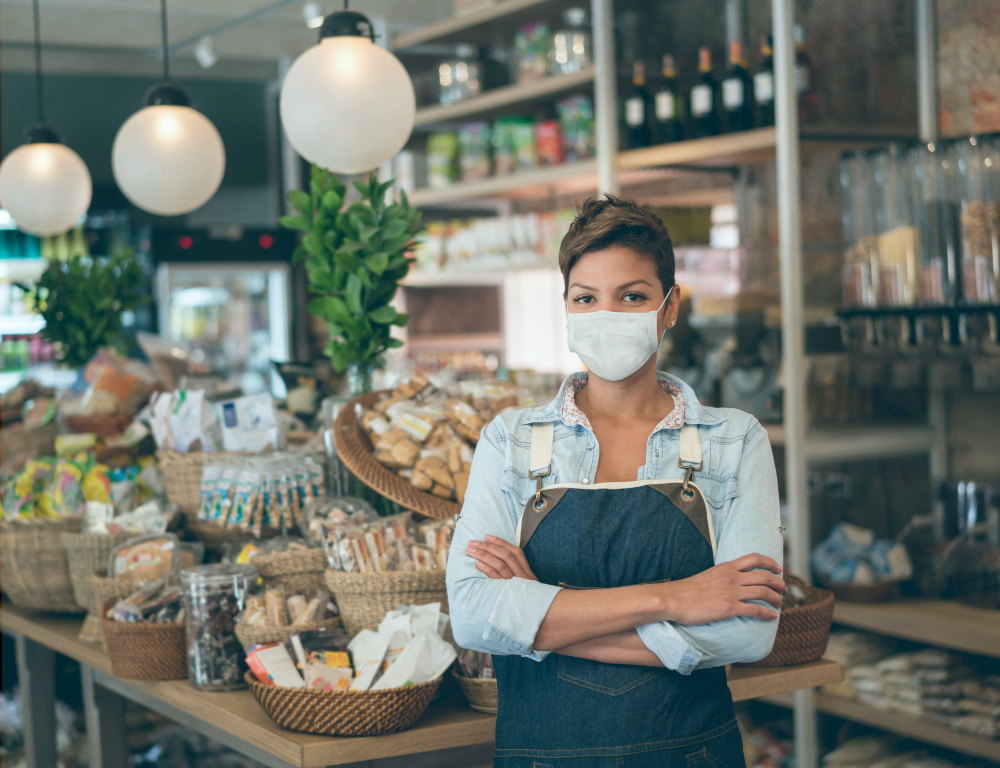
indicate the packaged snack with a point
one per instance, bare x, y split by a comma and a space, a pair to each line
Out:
474, 144
152, 558
296, 606
442, 160
246, 494
222, 497
274, 599
531, 49
549, 144
209, 479
576, 121
426, 658
423, 558
322, 677
369, 665
272, 665
249, 423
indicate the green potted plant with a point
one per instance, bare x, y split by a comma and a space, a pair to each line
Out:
355, 256
82, 299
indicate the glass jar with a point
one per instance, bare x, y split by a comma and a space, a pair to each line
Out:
861, 264
940, 235
980, 219
898, 238
570, 48
214, 596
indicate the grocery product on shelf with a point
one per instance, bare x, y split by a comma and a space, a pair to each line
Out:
570, 49
549, 144
763, 83
805, 78
979, 186
852, 555
442, 160
940, 227
531, 50
704, 97
474, 150
468, 75
668, 106
576, 121
638, 107
737, 91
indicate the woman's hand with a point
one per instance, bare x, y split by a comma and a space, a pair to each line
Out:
500, 559
722, 592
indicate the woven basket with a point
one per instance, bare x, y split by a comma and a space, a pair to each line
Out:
481, 694
296, 570
803, 631
86, 553
355, 450
365, 598
343, 713
182, 477
35, 569
102, 590
103, 426
863, 593
21, 443
145, 651
252, 635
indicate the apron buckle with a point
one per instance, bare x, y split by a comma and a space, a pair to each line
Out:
687, 493
539, 501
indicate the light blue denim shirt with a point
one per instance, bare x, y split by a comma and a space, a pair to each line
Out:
738, 481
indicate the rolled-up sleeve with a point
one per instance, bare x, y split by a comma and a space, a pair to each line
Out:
752, 526
492, 615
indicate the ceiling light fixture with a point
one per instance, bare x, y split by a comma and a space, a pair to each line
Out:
347, 105
44, 184
313, 15
168, 158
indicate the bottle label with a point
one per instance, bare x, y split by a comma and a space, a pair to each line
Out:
635, 112
665, 106
732, 93
701, 100
763, 87
801, 78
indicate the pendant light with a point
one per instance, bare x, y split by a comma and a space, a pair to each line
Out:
44, 185
347, 105
168, 158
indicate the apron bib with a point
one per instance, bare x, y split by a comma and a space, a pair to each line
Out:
578, 713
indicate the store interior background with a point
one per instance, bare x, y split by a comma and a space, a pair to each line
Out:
98, 67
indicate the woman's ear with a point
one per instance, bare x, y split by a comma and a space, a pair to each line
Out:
672, 307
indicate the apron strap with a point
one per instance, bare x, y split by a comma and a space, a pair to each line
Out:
690, 447
541, 447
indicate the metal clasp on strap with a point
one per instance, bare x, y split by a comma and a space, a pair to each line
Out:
539, 501
687, 492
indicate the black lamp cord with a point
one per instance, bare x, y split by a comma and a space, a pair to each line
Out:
38, 65
163, 32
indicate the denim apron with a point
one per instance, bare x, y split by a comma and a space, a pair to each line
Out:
566, 712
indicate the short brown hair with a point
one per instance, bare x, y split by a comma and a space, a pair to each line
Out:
612, 220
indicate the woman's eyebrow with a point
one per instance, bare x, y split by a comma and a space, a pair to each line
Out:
623, 286
581, 285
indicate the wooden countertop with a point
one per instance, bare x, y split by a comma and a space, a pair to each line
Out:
447, 723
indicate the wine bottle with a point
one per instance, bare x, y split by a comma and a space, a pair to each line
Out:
737, 91
704, 97
638, 109
763, 82
668, 104
805, 78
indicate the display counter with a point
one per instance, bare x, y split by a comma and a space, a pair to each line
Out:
235, 719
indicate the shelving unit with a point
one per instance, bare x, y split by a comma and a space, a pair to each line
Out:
498, 99
943, 623
899, 723
477, 27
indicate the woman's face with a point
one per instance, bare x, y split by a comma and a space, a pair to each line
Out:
618, 279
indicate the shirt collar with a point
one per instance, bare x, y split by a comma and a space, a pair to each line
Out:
696, 413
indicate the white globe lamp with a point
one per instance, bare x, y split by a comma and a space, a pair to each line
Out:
168, 158
44, 185
347, 105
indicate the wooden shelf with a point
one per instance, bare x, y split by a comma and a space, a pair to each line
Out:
560, 179
729, 149
478, 26
447, 723
456, 342
502, 98
943, 623
919, 728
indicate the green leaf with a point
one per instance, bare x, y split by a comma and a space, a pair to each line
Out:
368, 233
298, 254
401, 319
300, 201
397, 244
337, 310
394, 343
383, 315
362, 188
352, 246
332, 201
317, 264
318, 307
347, 262
377, 262
313, 244
353, 295
394, 229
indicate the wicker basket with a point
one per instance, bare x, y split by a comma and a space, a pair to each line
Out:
35, 569
182, 477
102, 590
86, 553
355, 450
803, 631
343, 713
365, 598
102, 426
863, 593
145, 651
298, 571
252, 635
481, 694
20, 443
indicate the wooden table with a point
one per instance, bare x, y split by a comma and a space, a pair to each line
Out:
235, 719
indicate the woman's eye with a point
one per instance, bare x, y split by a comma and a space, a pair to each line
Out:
585, 299
633, 297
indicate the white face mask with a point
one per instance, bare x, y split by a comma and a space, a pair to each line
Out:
614, 345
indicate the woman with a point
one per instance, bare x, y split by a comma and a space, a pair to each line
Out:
621, 545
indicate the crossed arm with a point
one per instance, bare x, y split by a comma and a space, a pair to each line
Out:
600, 624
